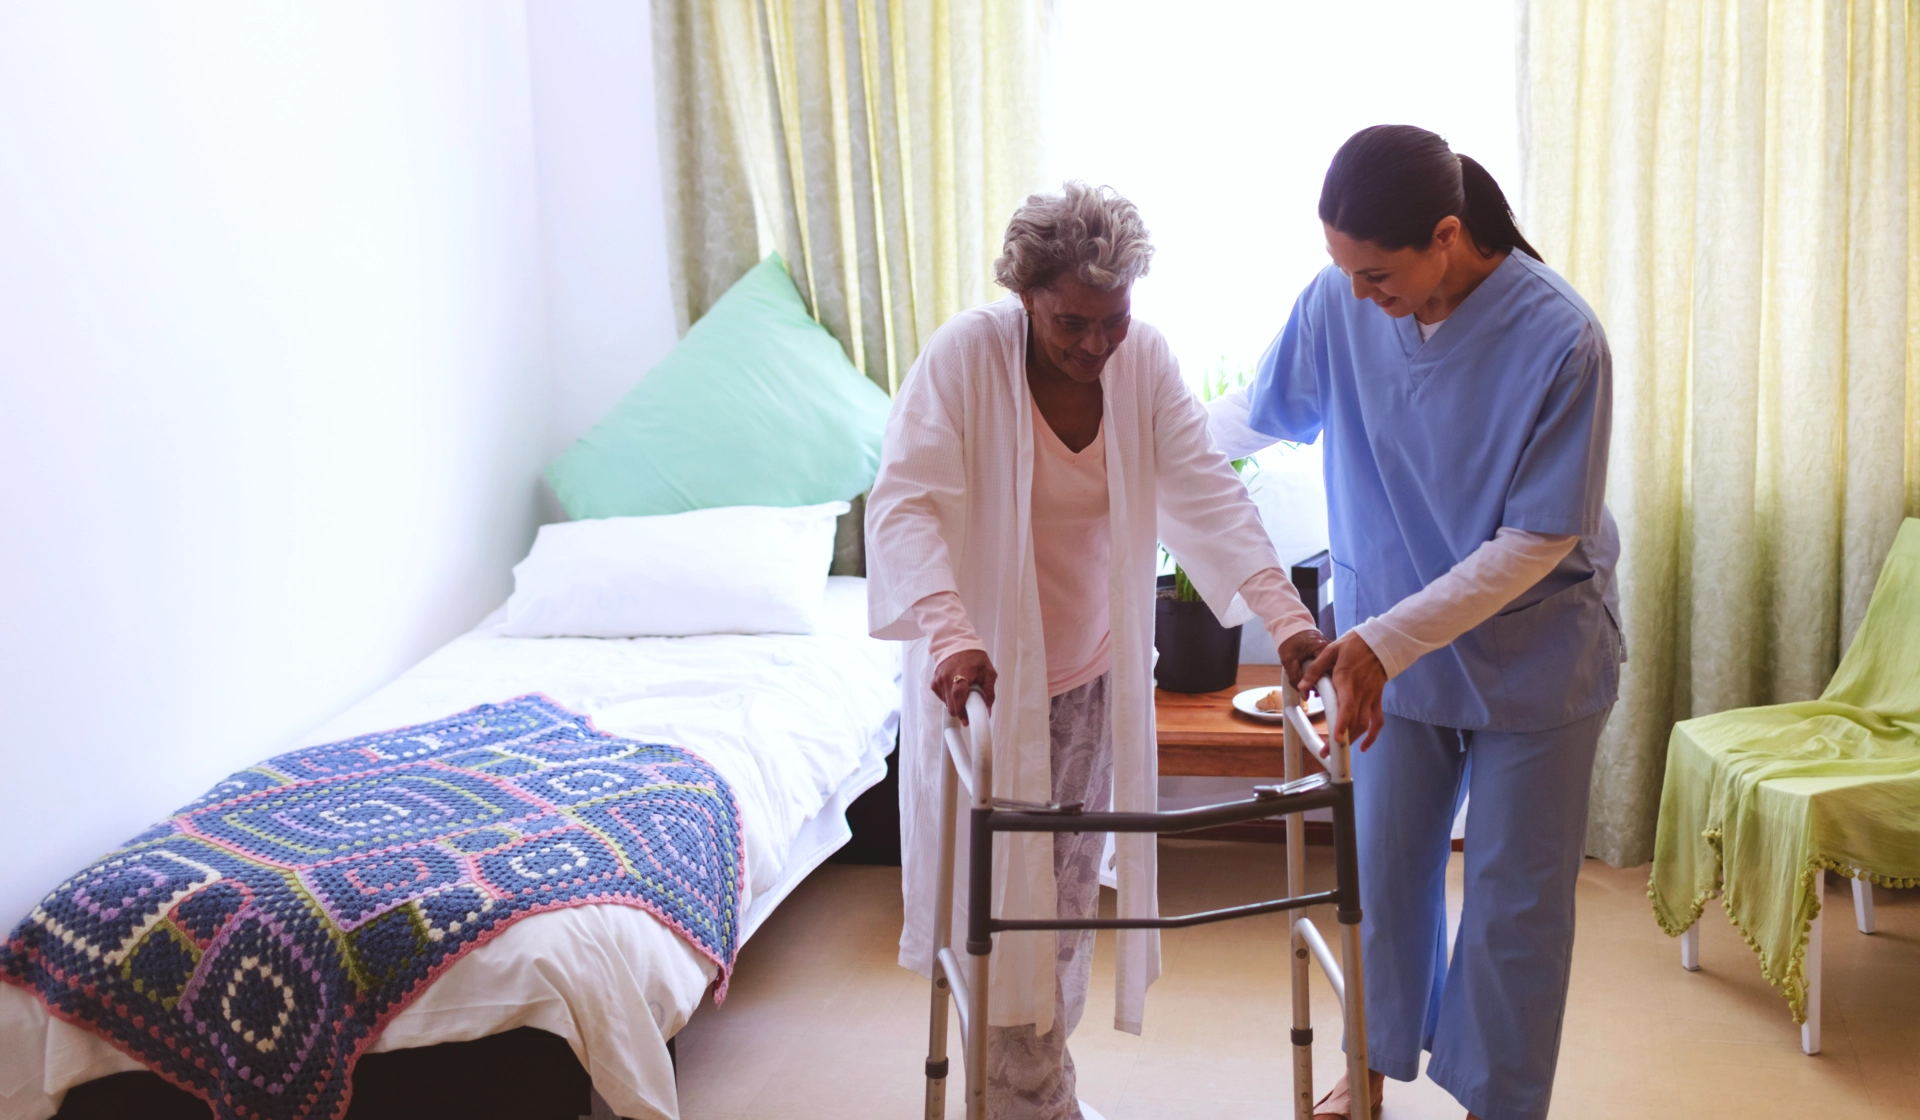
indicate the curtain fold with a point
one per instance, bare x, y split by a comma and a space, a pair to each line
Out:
878, 145
1735, 187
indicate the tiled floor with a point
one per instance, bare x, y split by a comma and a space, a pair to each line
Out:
822, 1023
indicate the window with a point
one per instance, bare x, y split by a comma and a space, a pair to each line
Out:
1218, 119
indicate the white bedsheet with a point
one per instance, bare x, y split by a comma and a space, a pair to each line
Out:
797, 724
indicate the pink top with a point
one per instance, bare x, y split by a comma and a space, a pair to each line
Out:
1072, 546
1071, 552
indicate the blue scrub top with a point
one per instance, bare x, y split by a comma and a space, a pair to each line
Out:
1500, 420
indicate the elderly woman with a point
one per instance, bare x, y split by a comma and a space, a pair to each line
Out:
1040, 449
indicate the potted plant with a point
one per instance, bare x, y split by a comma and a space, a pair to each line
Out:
1197, 654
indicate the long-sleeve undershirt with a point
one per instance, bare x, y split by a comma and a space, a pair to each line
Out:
1227, 426
1470, 592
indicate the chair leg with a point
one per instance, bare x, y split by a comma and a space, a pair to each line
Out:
1690, 948
1863, 905
1810, 1030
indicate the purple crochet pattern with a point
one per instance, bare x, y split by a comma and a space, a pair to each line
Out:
250, 947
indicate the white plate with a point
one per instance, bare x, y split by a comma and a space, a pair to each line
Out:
1245, 700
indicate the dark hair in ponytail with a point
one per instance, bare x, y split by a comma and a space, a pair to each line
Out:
1392, 183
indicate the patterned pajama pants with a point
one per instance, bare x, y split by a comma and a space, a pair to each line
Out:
1030, 1077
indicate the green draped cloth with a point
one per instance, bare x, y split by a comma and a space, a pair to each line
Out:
1759, 801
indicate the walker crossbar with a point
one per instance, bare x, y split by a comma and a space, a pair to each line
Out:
1321, 795
970, 763
1307, 935
1179, 921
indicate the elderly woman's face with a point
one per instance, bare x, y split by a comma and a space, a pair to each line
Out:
1076, 327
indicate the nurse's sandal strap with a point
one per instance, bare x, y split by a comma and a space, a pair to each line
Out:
1339, 1102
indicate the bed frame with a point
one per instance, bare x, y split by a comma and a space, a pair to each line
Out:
523, 1074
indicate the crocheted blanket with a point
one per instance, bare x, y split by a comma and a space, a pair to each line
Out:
252, 946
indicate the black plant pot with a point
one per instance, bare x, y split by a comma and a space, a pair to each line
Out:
1197, 654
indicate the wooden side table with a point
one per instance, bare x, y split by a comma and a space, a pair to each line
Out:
1200, 734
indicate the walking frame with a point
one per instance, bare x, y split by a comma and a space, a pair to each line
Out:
969, 762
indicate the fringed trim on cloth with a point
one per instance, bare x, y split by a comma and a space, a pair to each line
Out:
1791, 981
1670, 922
1891, 882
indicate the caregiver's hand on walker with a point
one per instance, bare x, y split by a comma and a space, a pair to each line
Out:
1360, 677
959, 675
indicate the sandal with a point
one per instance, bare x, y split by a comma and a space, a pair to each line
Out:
1338, 1103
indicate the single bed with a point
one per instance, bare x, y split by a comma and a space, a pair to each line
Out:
799, 725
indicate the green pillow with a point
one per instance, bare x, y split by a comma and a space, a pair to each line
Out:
757, 406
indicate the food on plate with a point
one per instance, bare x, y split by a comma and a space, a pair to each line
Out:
1271, 702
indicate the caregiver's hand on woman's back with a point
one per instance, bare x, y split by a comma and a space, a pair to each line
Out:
1359, 677
961, 674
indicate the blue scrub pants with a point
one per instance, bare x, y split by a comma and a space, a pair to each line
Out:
1491, 1017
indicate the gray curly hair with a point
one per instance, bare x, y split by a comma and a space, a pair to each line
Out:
1090, 232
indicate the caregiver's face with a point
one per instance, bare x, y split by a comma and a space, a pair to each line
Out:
1077, 327
1401, 281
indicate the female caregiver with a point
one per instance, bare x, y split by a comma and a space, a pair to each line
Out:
1038, 450
1465, 393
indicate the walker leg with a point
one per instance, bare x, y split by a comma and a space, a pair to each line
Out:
980, 950
1300, 964
942, 935
976, 1043
1863, 905
1810, 1030
1359, 1074
1690, 948
937, 1050
1302, 1021
1347, 910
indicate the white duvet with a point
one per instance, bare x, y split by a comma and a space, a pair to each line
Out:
798, 725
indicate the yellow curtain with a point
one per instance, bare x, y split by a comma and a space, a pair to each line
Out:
1735, 186
878, 145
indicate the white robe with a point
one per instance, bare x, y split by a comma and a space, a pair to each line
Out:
950, 511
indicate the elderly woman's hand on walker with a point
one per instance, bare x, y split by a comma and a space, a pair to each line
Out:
961, 674
1298, 652
1360, 677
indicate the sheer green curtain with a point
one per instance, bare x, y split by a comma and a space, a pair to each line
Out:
878, 145
1733, 185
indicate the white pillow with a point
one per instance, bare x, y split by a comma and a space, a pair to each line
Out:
734, 570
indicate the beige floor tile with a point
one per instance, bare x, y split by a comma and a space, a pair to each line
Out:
822, 1023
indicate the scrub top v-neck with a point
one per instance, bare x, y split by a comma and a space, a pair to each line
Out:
1499, 420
